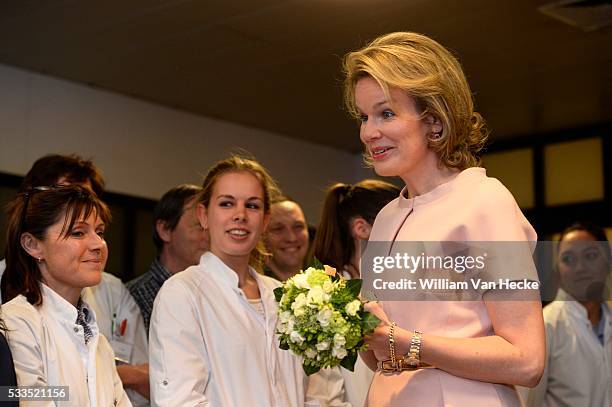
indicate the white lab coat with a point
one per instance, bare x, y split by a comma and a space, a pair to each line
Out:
116, 308
48, 349
209, 346
120, 321
578, 368
113, 304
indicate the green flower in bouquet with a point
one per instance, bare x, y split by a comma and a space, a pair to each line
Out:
321, 318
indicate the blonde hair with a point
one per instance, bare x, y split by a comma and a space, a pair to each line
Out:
234, 164
427, 71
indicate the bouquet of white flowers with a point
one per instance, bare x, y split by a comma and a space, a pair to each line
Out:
321, 318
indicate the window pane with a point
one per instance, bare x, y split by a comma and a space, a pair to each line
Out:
574, 172
515, 170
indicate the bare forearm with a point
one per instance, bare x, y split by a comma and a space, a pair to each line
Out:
489, 359
514, 354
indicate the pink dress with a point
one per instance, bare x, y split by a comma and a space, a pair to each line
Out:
471, 207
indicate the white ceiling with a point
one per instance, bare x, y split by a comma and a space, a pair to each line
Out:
275, 64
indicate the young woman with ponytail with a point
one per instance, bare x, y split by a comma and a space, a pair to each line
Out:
346, 220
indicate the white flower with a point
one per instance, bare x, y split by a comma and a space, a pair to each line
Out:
352, 307
339, 340
296, 337
324, 316
285, 322
290, 324
298, 305
284, 317
301, 280
322, 345
339, 353
309, 271
311, 325
328, 286
316, 295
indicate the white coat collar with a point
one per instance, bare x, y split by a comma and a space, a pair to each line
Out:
56, 307
577, 310
214, 267
218, 270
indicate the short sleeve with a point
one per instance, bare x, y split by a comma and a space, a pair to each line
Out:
497, 216
499, 233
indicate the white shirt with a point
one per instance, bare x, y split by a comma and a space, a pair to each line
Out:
578, 368
209, 346
49, 349
113, 304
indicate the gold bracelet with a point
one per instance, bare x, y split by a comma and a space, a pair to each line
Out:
410, 361
392, 345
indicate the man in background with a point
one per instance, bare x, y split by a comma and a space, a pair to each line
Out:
180, 241
286, 238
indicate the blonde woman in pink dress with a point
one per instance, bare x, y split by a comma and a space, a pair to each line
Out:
418, 122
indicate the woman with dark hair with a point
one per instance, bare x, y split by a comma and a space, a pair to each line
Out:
578, 324
55, 248
110, 300
417, 121
346, 221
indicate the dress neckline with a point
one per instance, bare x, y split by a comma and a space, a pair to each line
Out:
467, 176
